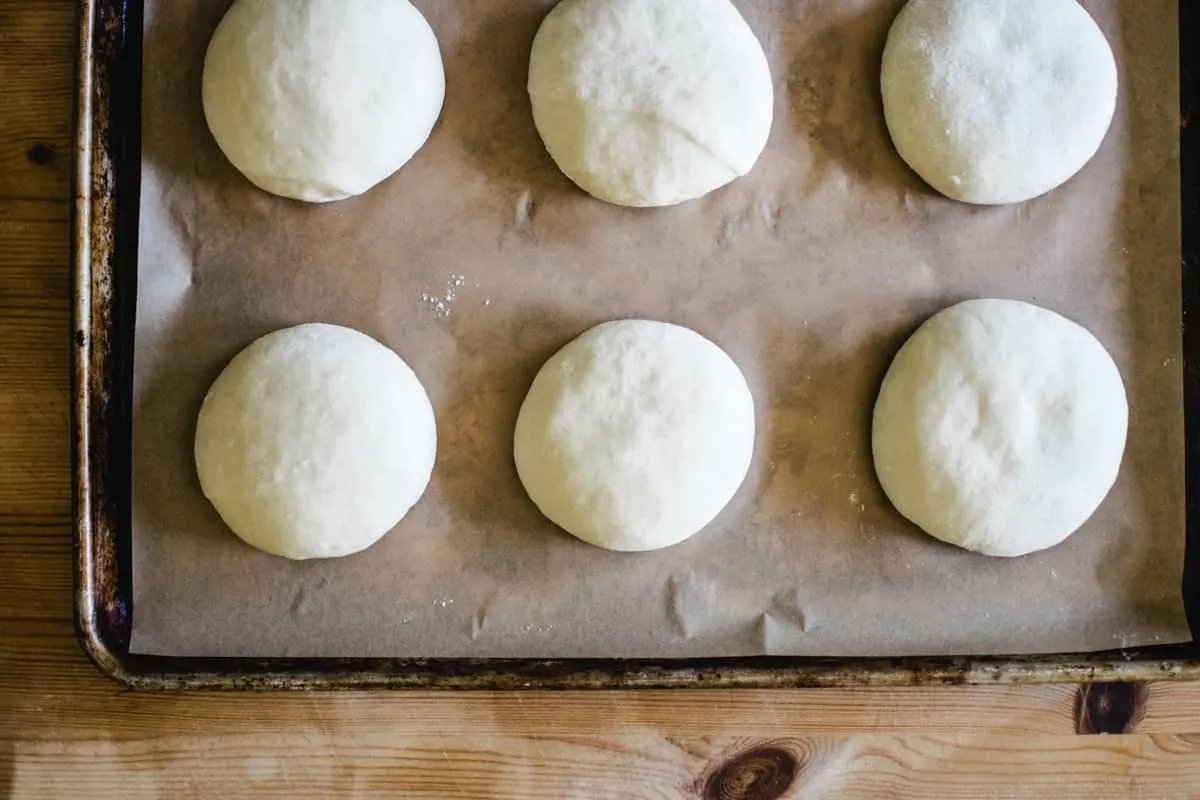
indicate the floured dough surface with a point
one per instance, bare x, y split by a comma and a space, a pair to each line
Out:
1000, 427
314, 442
635, 435
319, 100
997, 101
650, 102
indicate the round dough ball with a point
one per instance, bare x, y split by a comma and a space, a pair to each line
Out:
314, 442
635, 435
997, 101
1000, 427
650, 102
322, 99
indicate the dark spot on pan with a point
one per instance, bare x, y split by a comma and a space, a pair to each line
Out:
1109, 707
40, 154
80, 338
760, 773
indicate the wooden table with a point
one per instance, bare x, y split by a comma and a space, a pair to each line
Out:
65, 731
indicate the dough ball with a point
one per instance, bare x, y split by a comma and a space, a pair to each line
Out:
997, 101
319, 100
314, 442
1000, 427
650, 102
635, 435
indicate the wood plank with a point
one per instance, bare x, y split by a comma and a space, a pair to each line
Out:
437, 765
34, 272
34, 354
37, 71
34, 407
61, 686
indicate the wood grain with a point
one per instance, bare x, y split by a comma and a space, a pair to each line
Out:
600, 766
65, 731
37, 43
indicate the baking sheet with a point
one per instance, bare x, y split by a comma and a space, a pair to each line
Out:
479, 259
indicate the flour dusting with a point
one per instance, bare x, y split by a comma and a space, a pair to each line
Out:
442, 301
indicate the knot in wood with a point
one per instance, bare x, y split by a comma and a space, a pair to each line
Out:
40, 154
762, 773
1109, 707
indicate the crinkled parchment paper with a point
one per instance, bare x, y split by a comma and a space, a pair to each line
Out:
478, 260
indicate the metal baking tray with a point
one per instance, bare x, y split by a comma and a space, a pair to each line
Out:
104, 239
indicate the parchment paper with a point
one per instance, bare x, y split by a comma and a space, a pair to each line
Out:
478, 260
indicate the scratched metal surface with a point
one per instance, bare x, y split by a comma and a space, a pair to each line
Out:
104, 239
